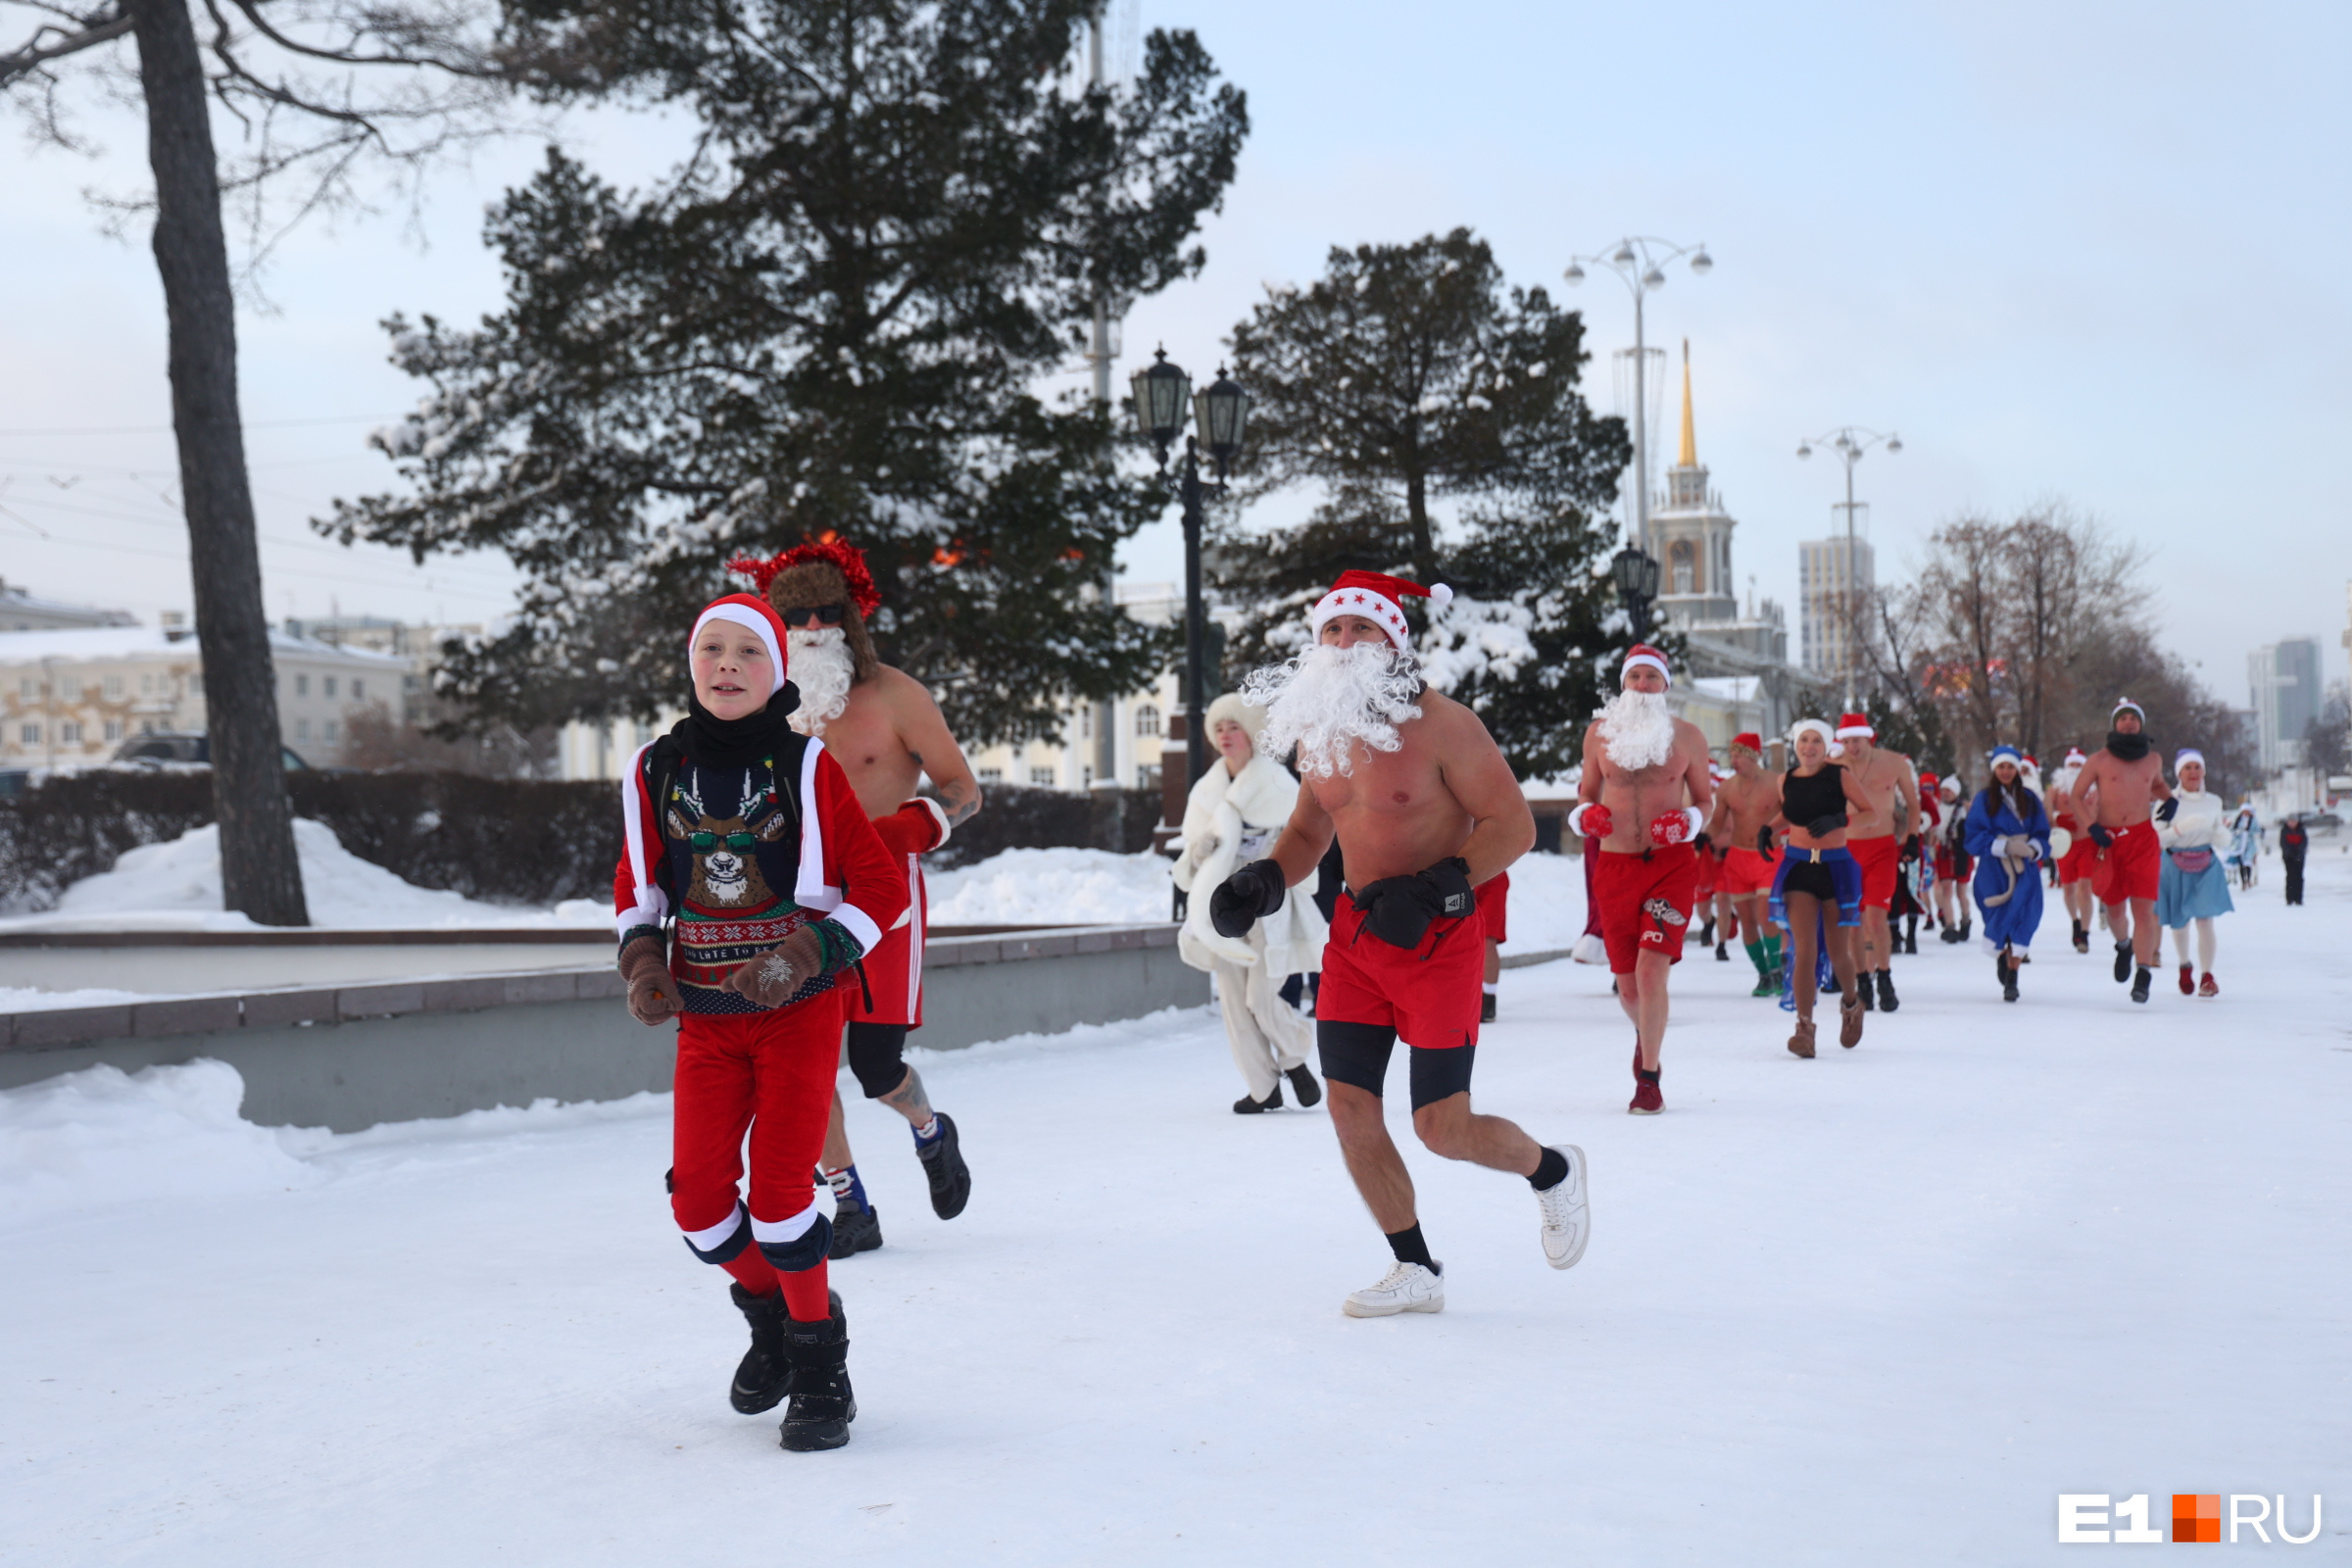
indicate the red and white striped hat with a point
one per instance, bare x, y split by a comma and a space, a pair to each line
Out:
1644, 654
1379, 599
1855, 726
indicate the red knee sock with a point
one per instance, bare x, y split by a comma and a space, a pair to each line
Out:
806, 1294
754, 1272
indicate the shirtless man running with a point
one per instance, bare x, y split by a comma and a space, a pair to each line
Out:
2115, 793
2081, 857
1893, 790
1645, 791
881, 725
1744, 803
1425, 808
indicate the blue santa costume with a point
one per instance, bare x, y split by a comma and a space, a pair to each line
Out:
2009, 844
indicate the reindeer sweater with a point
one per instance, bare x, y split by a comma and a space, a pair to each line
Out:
742, 855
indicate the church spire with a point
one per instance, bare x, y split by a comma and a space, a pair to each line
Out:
1690, 452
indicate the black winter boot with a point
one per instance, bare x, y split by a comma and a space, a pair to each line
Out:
1888, 1000
760, 1376
822, 1405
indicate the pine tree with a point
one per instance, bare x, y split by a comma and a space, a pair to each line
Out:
832, 317
1410, 378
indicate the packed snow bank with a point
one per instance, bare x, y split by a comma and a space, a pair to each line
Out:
24, 999
1054, 887
1547, 903
101, 1136
177, 886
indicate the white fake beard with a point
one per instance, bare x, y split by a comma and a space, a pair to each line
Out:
1638, 729
1329, 697
821, 665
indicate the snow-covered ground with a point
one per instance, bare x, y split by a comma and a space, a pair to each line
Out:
1881, 1308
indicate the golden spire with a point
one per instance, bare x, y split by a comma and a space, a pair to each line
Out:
1690, 452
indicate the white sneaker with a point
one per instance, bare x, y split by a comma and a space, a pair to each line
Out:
1406, 1288
1567, 1212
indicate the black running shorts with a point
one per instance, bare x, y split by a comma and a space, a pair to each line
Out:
1358, 1053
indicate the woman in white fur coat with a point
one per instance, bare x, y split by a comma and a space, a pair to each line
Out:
1234, 815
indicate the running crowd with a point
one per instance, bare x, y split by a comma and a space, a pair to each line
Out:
770, 910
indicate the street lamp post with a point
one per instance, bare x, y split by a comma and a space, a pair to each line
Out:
1220, 412
1849, 442
1640, 261
1636, 573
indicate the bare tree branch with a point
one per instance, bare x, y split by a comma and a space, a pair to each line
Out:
37, 51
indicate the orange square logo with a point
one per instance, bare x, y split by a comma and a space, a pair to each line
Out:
2197, 1516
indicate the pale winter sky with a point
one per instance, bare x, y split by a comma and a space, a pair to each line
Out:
2088, 253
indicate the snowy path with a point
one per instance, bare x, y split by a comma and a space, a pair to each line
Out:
1880, 1307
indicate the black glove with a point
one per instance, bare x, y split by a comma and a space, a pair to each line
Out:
1763, 840
1400, 909
1821, 827
2100, 836
1703, 846
1911, 846
1245, 898
2168, 810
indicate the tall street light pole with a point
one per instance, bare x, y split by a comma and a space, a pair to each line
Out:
1640, 262
1849, 442
1220, 412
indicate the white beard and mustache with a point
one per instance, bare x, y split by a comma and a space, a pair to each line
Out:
1329, 697
819, 661
1637, 729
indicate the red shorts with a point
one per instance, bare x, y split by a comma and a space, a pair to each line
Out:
1746, 872
1431, 995
1709, 872
1881, 860
2080, 859
894, 970
1645, 902
2131, 866
1943, 861
1494, 906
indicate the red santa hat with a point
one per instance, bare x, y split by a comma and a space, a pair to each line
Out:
1377, 597
1855, 726
743, 610
2074, 757
827, 547
1644, 654
1750, 739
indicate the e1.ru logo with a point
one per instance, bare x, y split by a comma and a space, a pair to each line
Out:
2084, 1518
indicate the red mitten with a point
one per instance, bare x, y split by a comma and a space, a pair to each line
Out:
1591, 820
1675, 827
917, 827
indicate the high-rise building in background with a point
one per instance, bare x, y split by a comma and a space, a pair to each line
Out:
1829, 572
2286, 679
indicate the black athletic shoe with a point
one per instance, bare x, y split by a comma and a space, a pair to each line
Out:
854, 1230
944, 1169
1486, 1015
1723, 951
1964, 930
1864, 981
1949, 933
1888, 1000
1246, 1106
760, 1376
2123, 962
1310, 1092
1911, 941
1706, 935
2139, 985
822, 1405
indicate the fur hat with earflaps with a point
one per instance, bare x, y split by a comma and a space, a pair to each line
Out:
824, 571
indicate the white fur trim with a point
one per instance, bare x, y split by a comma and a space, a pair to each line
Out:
705, 1241
771, 1232
652, 905
741, 615
1441, 594
1576, 817
1818, 726
1650, 660
859, 924
1695, 817
939, 814
2185, 756
1370, 602
1847, 732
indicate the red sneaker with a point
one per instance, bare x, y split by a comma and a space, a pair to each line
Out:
2188, 980
1647, 1101
2206, 988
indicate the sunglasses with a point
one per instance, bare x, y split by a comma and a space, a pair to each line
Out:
705, 843
821, 615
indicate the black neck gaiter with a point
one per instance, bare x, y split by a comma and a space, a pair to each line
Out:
716, 741
2131, 748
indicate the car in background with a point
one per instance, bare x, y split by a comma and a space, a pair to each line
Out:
167, 748
2322, 821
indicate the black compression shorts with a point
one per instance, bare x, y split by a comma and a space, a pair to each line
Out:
878, 1057
1358, 1053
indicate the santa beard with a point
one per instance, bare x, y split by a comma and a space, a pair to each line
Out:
821, 667
1329, 697
1635, 730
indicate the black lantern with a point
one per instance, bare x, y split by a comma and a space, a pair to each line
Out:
1219, 411
1160, 389
1635, 573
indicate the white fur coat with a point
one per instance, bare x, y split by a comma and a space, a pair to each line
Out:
1222, 810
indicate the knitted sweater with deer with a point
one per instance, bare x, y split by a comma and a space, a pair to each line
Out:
738, 858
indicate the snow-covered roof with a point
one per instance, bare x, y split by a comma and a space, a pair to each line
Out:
16, 598
1731, 688
93, 643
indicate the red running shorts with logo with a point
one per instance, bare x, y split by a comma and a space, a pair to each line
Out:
1494, 906
1881, 860
1645, 902
1430, 996
1747, 871
2129, 867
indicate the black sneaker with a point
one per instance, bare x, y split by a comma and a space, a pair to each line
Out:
855, 1229
2139, 985
1246, 1106
760, 1376
822, 1405
1864, 980
1723, 951
2123, 962
1486, 1015
944, 1169
1888, 1000
1310, 1092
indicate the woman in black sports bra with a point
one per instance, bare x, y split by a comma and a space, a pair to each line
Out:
1819, 798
